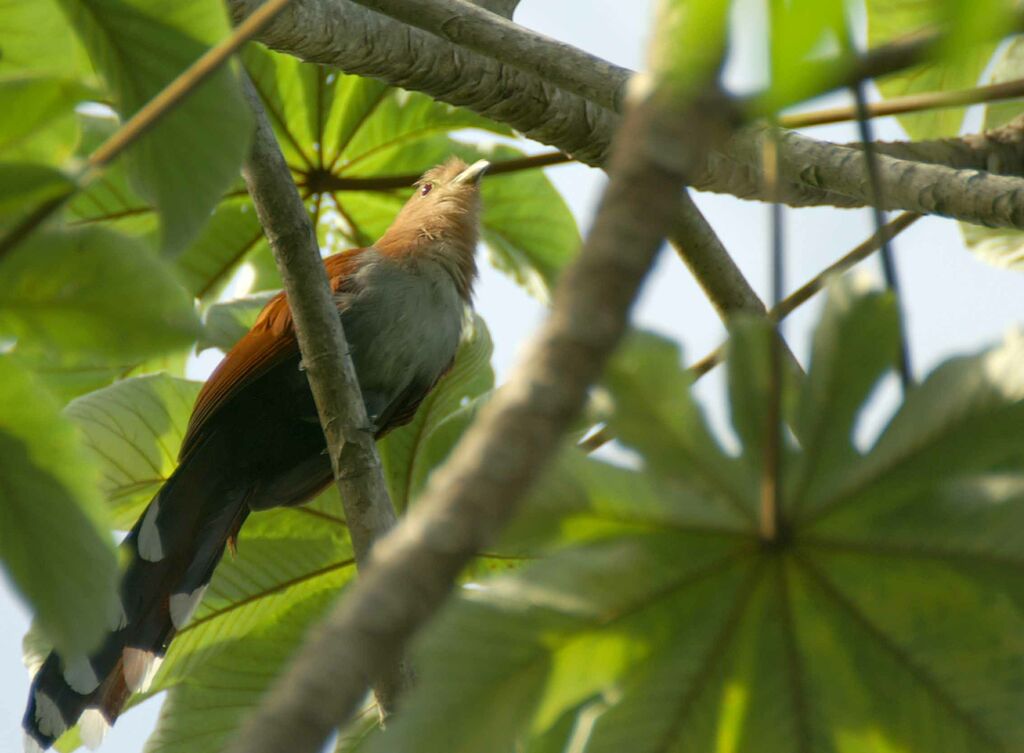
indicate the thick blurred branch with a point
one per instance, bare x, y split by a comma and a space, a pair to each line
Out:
504, 451
369, 513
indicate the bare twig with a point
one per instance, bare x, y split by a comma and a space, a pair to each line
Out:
807, 291
771, 474
502, 453
892, 280
369, 513
329, 182
149, 115
910, 103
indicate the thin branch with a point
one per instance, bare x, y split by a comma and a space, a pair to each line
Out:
328, 365
910, 103
327, 182
149, 115
892, 281
771, 473
807, 291
791, 303
502, 453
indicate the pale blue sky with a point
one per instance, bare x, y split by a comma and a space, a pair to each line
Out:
956, 304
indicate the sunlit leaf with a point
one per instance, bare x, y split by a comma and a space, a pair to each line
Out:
1003, 247
193, 154
95, 292
54, 542
884, 613
969, 50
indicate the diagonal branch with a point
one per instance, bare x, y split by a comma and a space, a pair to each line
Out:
332, 377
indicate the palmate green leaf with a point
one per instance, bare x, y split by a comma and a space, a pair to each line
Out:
54, 543
1003, 247
409, 454
69, 375
539, 642
800, 34
886, 617
231, 235
855, 343
656, 416
200, 716
40, 124
193, 154
334, 127
25, 186
94, 292
749, 357
965, 57
964, 418
133, 429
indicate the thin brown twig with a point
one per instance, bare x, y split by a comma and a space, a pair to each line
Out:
910, 103
792, 302
148, 115
322, 182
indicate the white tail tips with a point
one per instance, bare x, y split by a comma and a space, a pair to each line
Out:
80, 675
183, 606
48, 717
140, 667
93, 727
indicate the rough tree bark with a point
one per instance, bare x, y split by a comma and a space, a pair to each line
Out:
345, 35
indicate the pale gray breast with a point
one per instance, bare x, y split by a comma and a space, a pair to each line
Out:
402, 322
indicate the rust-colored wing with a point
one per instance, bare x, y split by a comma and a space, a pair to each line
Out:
270, 341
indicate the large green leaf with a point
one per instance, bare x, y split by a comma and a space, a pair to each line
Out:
26, 185
1003, 247
54, 543
333, 128
965, 56
886, 614
193, 154
94, 292
134, 429
656, 416
855, 343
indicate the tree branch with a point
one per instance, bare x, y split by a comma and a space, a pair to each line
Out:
467, 501
474, 28
345, 35
332, 378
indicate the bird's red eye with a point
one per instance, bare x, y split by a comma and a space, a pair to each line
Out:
425, 188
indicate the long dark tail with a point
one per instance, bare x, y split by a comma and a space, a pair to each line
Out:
172, 552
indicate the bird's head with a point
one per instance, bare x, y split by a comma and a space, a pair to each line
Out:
441, 220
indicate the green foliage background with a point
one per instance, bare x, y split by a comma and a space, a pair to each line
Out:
631, 606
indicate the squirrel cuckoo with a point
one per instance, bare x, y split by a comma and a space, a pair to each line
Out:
254, 439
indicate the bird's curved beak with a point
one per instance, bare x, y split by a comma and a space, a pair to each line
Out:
473, 173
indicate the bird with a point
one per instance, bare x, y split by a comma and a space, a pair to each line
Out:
254, 440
